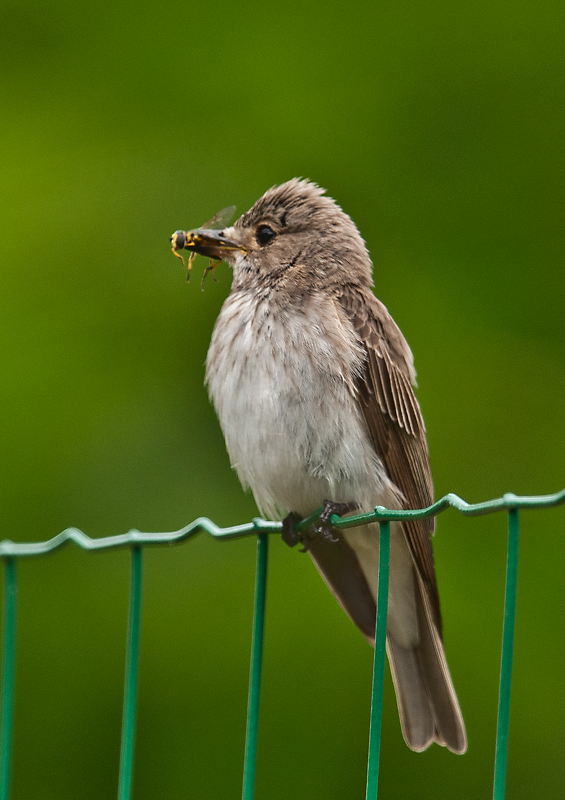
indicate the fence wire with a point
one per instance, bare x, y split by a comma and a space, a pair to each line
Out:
10, 552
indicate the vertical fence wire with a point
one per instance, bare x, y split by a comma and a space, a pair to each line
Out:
250, 758
130, 686
8, 657
378, 664
501, 756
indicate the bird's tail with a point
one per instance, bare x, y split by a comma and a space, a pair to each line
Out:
427, 703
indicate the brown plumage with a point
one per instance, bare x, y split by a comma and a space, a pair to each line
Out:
395, 422
313, 384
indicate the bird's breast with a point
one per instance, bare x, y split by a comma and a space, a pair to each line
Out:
282, 379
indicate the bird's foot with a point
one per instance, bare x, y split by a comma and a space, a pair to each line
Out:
291, 536
330, 508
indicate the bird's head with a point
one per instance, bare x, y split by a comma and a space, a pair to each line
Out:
294, 234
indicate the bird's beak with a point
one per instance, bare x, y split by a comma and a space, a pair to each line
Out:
210, 243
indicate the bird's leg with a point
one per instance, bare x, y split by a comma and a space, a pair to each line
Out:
325, 529
290, 535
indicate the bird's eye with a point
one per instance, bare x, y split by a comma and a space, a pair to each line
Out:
265, 234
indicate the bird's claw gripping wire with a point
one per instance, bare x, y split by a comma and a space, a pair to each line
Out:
291, 536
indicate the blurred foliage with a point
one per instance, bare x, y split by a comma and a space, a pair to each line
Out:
439, 127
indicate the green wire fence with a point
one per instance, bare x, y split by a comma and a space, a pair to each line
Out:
10, 552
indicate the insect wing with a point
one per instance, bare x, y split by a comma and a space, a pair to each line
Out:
219, 220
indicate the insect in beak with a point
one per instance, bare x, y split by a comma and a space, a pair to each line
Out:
205, 241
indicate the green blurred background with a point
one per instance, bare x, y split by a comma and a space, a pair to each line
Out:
439, 127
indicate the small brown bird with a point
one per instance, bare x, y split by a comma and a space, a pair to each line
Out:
312, 382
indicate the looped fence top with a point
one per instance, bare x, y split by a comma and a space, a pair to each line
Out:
10, 552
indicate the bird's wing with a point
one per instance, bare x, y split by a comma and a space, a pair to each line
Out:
395, 423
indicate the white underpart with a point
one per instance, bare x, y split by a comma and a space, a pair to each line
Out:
284, 391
